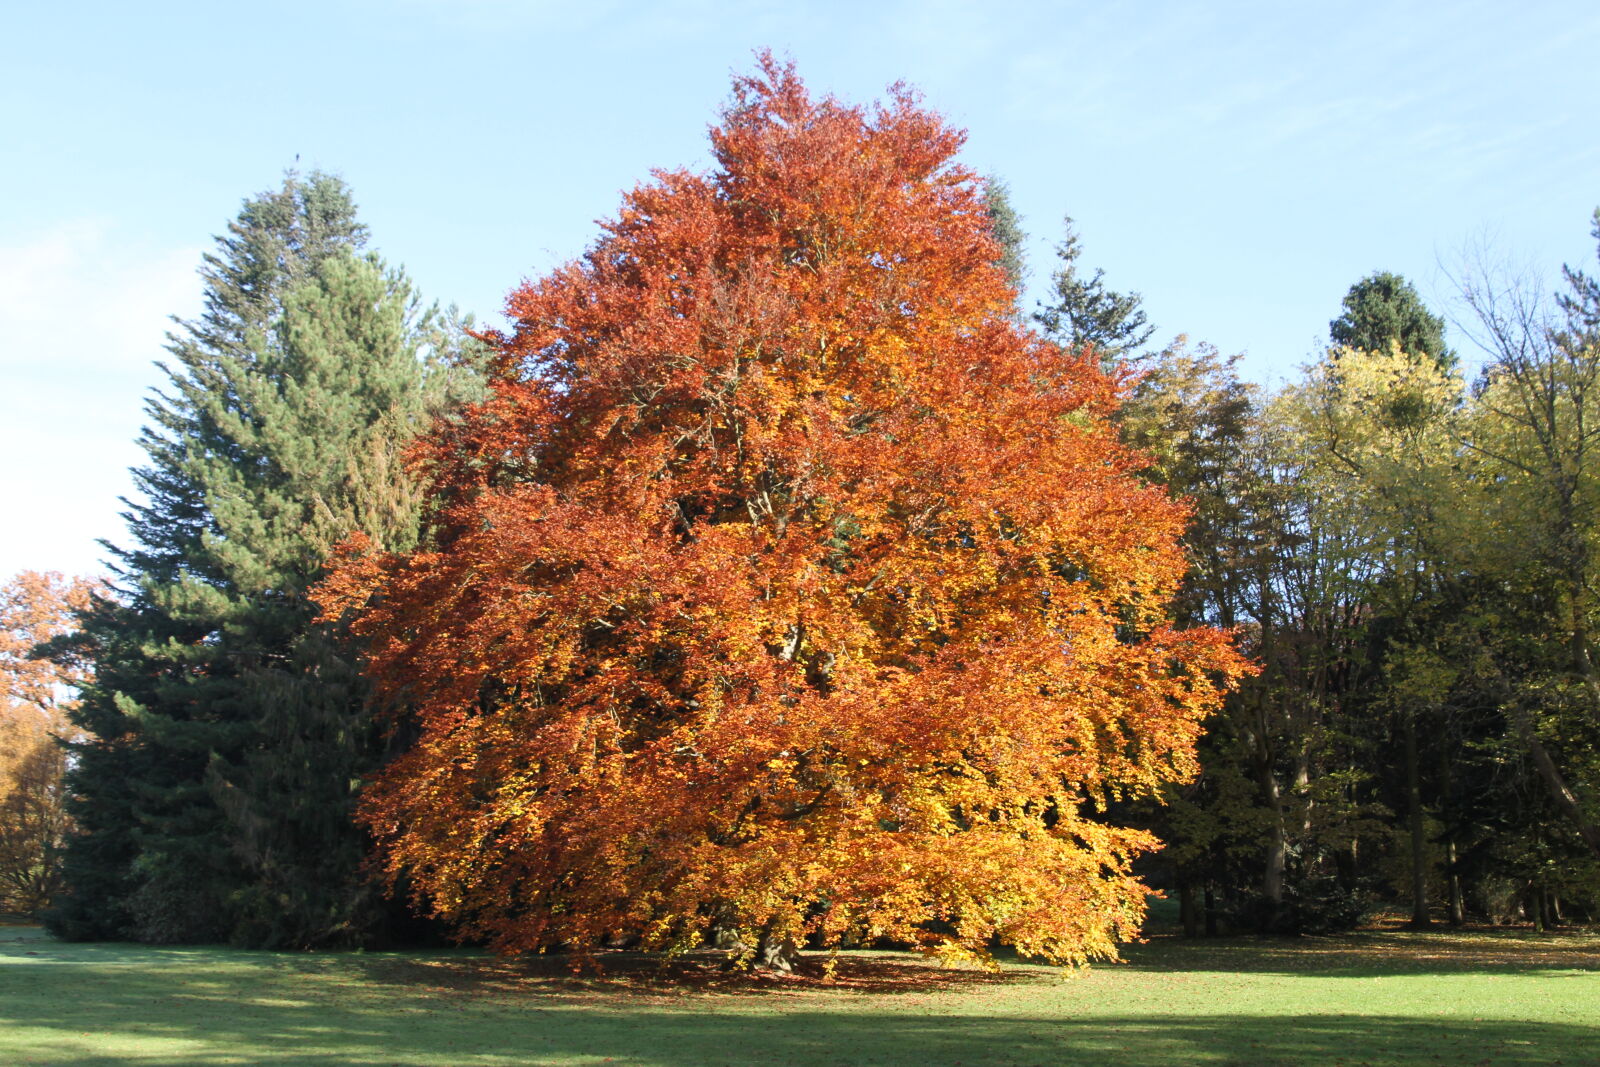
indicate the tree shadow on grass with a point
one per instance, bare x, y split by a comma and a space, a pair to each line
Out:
473, 971
1370, 953
339, 1036
74, 1004
695, 972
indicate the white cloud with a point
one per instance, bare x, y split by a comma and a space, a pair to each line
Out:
83, 313
79, 297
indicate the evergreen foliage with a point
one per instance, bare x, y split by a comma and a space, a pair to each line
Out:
1580, 304
1082, 311
1007, 227
230, 732
1383, 309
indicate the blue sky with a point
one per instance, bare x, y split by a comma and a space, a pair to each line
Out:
1239, 164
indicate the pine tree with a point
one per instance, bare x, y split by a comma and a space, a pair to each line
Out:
231, 730
1082, 312
347, 396
1007, 227
1383, 309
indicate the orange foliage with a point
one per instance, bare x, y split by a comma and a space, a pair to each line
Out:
785, 585
36, 606
35, 698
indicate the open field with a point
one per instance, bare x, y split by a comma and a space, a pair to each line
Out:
1376, 997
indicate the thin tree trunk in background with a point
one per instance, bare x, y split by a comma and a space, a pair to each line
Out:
1458, 910
1277, 848
1186, 910
1419, 837
1563, 795
1452, 865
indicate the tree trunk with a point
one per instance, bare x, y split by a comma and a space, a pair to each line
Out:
1346, 865
1452, 866
1302, 787
1277, 851
1211, 912
1419, 836
1458, 910
1564, 797
1186, 910
775, 952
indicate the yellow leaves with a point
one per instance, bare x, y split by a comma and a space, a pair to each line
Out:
1372, 446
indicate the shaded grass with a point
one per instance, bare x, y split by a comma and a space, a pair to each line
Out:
1376, 997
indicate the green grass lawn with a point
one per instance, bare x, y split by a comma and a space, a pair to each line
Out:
1376, 997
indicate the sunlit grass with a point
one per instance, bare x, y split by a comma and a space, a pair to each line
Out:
1376, 997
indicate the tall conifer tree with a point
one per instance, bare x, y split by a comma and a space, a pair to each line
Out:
1080, 311
232, 731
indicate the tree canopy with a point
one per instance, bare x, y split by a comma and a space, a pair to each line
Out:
36, 696
1383, 310
784, 585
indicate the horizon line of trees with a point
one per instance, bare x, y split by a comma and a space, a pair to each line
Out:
1408, 558
1408, 555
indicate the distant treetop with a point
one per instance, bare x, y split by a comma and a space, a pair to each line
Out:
1080, 311
1384, 307
1007, 226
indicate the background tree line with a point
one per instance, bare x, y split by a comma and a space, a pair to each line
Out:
1409, 557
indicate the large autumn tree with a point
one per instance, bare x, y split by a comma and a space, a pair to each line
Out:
785, 585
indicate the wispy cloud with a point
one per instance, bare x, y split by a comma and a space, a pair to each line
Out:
83, 312
78, 298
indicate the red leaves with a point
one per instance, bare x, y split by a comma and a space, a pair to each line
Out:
784, 583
